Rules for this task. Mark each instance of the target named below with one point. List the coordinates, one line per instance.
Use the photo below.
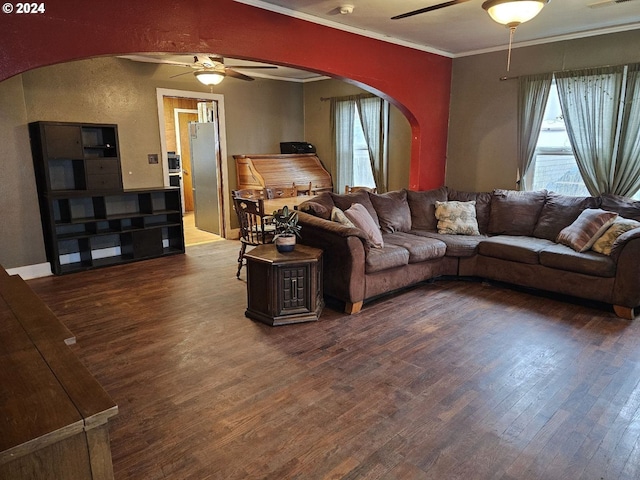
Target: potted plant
(286, 228)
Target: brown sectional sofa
(516, 243)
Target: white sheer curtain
(626, 175)
(590, 101)
(342, 118)
(533, 93)
(373, 114)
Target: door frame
(223, 164)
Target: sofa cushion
(338, 215)
(390, 256)
(560, 211)
(483, 205)
(318, 206)
(623, 206)
(392, 210)
(586, 229)
(514, 212)
(423, 208)
(361, 218)
(588, 263)
(605, 242)
(419, 248)
(514, 248)
(457, 245)
(457, 218)
(344, 201)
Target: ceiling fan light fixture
(513, 12)
(209, 78)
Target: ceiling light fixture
(512, 13)
(209, 78)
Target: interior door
(205, 176)
(184, 118)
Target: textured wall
(482, 146)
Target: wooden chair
(255, 228)
(348, 189)
(254, 193)
(303, 189)
(285, 192)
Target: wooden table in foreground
(53, 413)
(284, 288)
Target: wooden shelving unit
(89, 221)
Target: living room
(447, 101)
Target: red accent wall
(415, 81)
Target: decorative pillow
(344, 201)
(338, 216)
(423, 206)
(586, 229)
(361, 218)
(483, 205)
(457, 218)
(392, 210)
(605, 242)
(315, 209)
(515, 212)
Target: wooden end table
(284, 288)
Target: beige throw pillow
(457, 218)
(338, 216)
(586, 229)
(605, 242)
(362, 219)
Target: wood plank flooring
(448, 380)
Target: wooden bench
(53, 413)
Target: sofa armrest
(345, 250)
(626, 252)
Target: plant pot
(285, 243)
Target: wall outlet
(153, 158)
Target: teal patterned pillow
(457, 218)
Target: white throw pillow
(457, 218)
(605, 242)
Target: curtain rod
(502, 79)
(362, 95)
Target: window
(554, 166)
(360, 124)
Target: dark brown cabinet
(284, 288)
(88, 219)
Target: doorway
(176, 108)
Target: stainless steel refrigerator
(205, 148)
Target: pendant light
(512, 13)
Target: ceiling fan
(211, 70)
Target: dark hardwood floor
(447, 380)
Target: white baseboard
(31, 271)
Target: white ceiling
(454, 31)
(463, 29)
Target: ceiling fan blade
(240, 76)
(272, 67)
(428, 9)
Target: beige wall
(482, 149)
(317, 131)
(259, 115)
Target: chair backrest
(285, 192)
(348, 189)
(303, 189)
(253, 193)
(251, 218)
